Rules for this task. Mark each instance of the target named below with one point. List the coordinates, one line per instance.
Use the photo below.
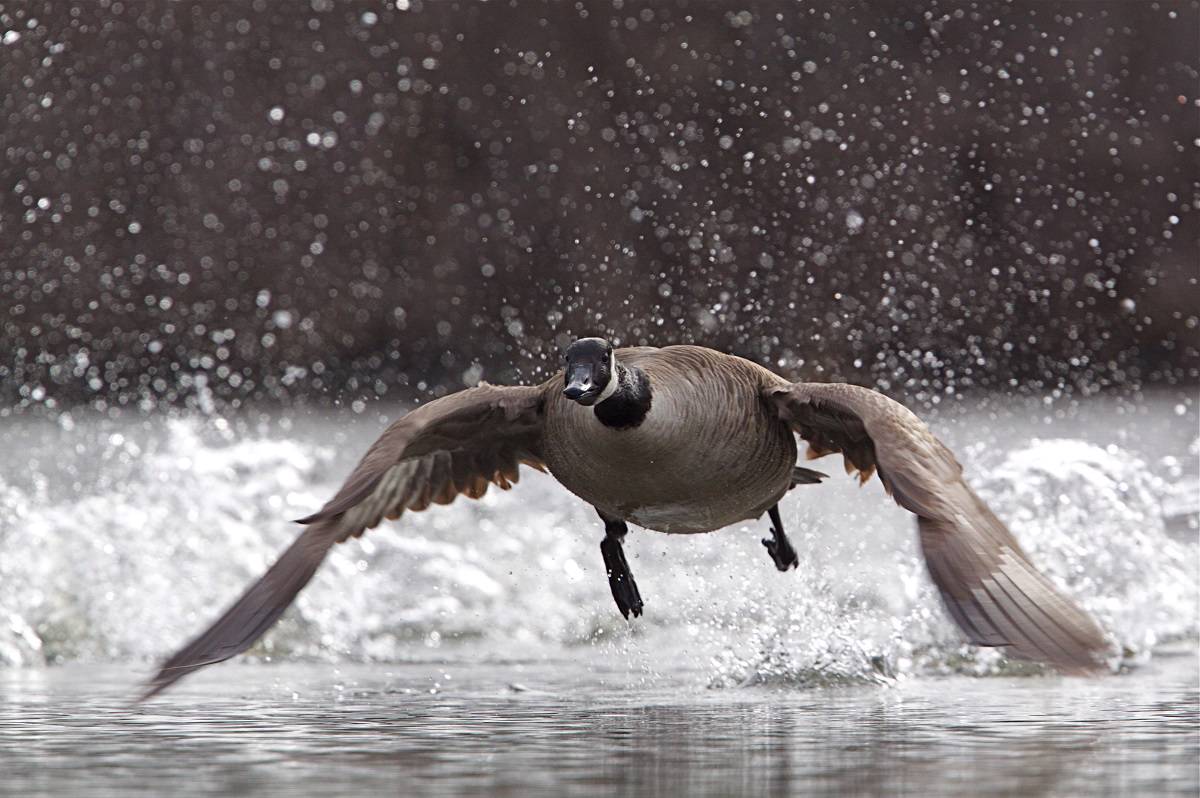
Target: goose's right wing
(458, 444)
(988, 583)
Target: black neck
(630, 403)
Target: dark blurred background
(234, 201)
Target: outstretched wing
(988, 584)
(459, 444)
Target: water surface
(585, 726)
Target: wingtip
(1101, 658)
(151, 688)
(168, 675)
(1095, 664)
(1090, 670)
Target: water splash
(1091, 518)
(96, 576)
(130, 563)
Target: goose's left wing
(458, 444)
(990, 587)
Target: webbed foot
(778, 545)
(620, 580)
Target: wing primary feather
(252, 614)
(994, 613)
(1033, 622)
(962, 608)
(1075, 625)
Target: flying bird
(679, 439)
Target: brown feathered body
(711, 451)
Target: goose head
(591, 372)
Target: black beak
(583, 391)
(576, 390)
(581, 387)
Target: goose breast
(710, 452)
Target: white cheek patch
(612, 386)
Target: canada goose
(680, 439)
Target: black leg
(620, 580)
(778, 545)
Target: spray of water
(127, 565)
